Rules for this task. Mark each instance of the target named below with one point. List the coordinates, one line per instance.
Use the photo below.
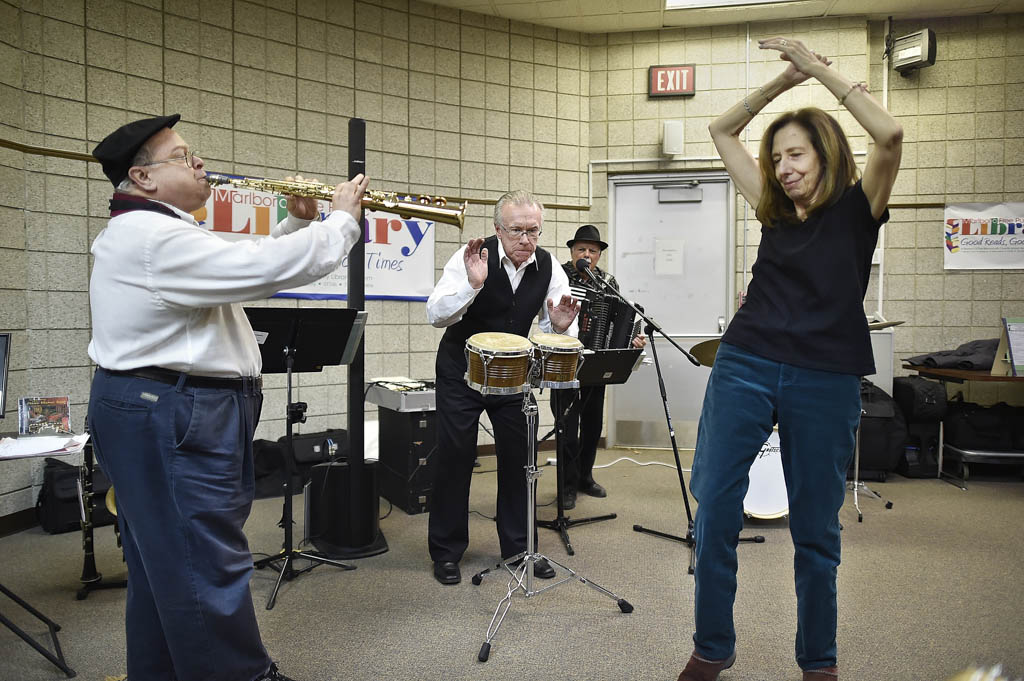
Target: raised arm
(725, 131)
(887, 134)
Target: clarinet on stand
(91, 579)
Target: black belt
(172, 377)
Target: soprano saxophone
(430, 207)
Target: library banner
(983, 236)
(399, 251)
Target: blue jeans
(180, 460)
(818, 413)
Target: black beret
(118, 149)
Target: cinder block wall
(456, 104)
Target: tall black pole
(362, 528)
(356, 301)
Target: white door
(673, 252)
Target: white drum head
(766, 497)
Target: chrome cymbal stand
(520, 566)
(857, 484)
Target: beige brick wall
(456, 104)
(964, 142)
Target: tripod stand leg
(285, 567)
(514, 583)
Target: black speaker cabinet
(408, 440)
(341, 526)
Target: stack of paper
(60, 445)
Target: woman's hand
(801, 58)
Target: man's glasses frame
(517, 234)
(188, 156)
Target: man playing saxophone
(177, 395)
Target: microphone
(583, 266)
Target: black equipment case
(883, 432)
(58, 507)
(408, 441)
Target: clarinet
(91, 578)
(89, 573)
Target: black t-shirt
(805, 301)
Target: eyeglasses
(517, 233)
(189, 157)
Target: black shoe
(569, 499)
(273, 675)
(541, 569)
(447, 572)
(593, 489)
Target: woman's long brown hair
(838, 169)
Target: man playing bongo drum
(496, 284)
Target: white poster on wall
(399, 251)
(981, 236)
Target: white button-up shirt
(453, 295)
(166, 292)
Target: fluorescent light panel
(707, 4)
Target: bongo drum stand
(522, 572)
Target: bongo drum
(766, 496)
(558, 357)
(498, 363)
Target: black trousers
(458, 416)
(582, 432)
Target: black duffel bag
(883, 432)
(920, 400)
(968, 425)
(58, 508)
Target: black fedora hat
(587, 233)
(117, 149)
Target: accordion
(606, 323)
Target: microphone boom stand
(650, 329)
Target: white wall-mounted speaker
(672, 138)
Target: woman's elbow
(893, 139)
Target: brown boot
(699, 669)
(823, 674)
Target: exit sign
(670, 80)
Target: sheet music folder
(608, 367)
(322, 336)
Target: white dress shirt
(165, 292)
(453, 295)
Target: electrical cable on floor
(641, 463)
(391, 507)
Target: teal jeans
(818, 413)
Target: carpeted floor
(927, 588)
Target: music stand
(299, 340)
(599, 367)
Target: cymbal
(705, 351)
(875, 326)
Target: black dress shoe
(542, 569)
(593, 489)
(447, 572)
(569, 499)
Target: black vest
(496, 308)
